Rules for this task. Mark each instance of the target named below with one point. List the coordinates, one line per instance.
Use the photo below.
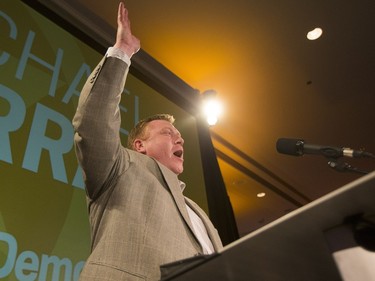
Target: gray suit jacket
(137, 211)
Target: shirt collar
(182, 185)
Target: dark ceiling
(273, 83)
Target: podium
(294, 247)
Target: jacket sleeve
(97, 124)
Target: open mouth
(178, 153)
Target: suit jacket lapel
(174, 186)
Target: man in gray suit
(138, 215)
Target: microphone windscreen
(288, 146)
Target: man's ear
(139, 146)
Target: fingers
(122, 16)
(124, 37)
(120, 13)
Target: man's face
(164, 143)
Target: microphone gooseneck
(298, 147)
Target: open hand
(125, 40)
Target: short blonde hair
(139, 131)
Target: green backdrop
(44, 231)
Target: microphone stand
(345, 167)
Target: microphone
(298, 147)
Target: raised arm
(97, 120)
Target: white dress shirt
(199, 229)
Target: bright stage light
(212, 108)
